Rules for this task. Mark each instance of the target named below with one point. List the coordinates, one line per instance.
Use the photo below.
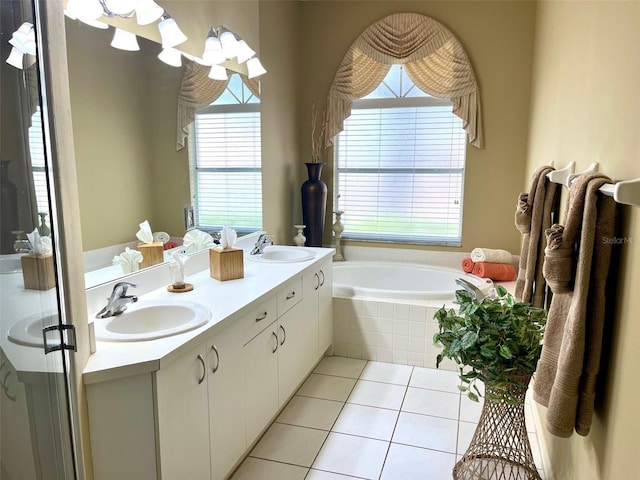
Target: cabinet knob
(215, 350)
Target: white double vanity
(191, 405)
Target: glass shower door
(36, 440)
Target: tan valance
(198, 90)
(434, 60)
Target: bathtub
(399, 280)
(384, 311)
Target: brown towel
(570, 359)
(558, 261)
(467, 265)
(500, 272)
(535, 208)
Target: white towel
(490, 255)
(129, 260)
(197, 240)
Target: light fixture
(16, 58)
(218, 72)
(229, 43)
(96, 24)
(84, 9)
(255, 68)
(212, 54)
(244, 51)
(120, 7)
(171, 56)
(125, 40)
(148, 11)
(170, 32)
(24, 39)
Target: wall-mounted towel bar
(626, 192)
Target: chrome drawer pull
(204, 369)
(284, 336)
(291, 295)
(259, 318)
(215, 350)
(276, 337)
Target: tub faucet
(117, 303)
(474, 291)
(260, 245)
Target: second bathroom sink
(284, 254)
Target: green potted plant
(497, 341)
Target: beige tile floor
(354, 419)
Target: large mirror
(124, 108)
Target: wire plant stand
(500, 448)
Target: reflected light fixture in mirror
(171, 57)
(121, 7)
(218, 72)
(255, 68)
(170, 32)
(23, 42)
(124, 40)
(96, 24)
(244, 51)
(16, 59)
(148, 11)
(212, 54)
(84, 9)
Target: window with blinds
(36, 149)
(400, 166)
(225, 151)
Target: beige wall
(498, 37)
(584, 108)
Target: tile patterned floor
(354, 419)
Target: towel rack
(626, 192)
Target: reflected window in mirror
(225, 161)
(36, 148)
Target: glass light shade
(212, 54)
(218, 72)
(24, 43)
(255, 68)
(244, 52)
(148, 11)
(124, 40)
(171, 56)
(70, 14)
(15, 58)
(29, 60)
(96, 24)
(121, 7)
(196, 59)
(85, 9)
(170, 33)
(229, 44)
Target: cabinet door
(260, 361)
(325, 306)
(226, 396)
(298, 350)
(183, 418)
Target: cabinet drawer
(289, 295)
(259, 318)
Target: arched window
(403, 101)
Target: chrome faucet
(117, 303)
(260, 245)
(474, 291)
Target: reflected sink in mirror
(283, 254)
(151, 319)
(28, 331)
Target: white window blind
(400, 170)
(36, 149)
(226, 166)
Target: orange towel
(501, 272)
(467, 265)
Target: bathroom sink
(151, 319)
(284, 254)
(28, 331)
(10, 263)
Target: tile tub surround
(356, 419)
(392, 331)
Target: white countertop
(227, 301)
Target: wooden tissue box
(152, 253)
(226, 263)
(38, 271)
